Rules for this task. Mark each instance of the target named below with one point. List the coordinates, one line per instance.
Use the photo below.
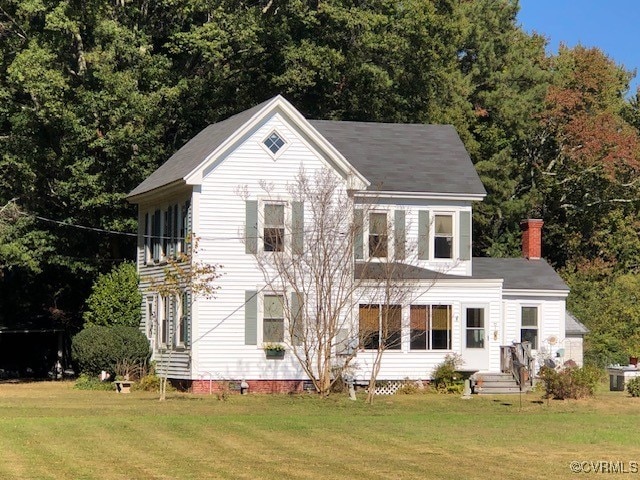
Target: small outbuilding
(574, 339)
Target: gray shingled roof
(573, 326)
(195, 151)
(393, 157)
(398, 271)
(405, 157)
(517, 273)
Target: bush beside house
(116, 349)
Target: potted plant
(274, 350)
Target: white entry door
(475, 339)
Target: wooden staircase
(496, 383)
(516, 372)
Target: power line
(160, 237)
(81, 227)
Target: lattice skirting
(388, 388)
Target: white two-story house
(423, 186)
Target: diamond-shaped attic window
(274, 142)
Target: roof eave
(474, 197)
(141, 197)
(532, 292)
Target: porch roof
(573, 326)
(516, 273)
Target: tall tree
(507, 70)
(84, 120)
(588, 187)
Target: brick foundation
(255, 386)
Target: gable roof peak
(402, 158)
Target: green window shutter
(358, 244)
(250, 317)
(251, 227)
(186, 312)
(168, 240)
(157, 241)
(175, 232)
(297, 327)
(297, 227)
(465, 236)
(399, 234)
(146, 242)
(423, 235)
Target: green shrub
(570, 382)
(86, 382)
(115, 298)
(98, 348)
(409, 388)
(633, 387)
(446, 377)
(148, 383)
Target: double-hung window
(273, 319)
(273, 227)
(529, 322)
(443, 236)
(183, 319)
(150, 317)
(378, 235)
(165, 320)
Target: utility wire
(159, 237)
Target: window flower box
(274, 351)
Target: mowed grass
(51, 431)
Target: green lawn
(50, 430)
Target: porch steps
(495, 383)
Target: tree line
(95, 94)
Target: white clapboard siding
(551, 316)
(404, 363)
(412, 209)
(219, 331)
(248, 172)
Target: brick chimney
(532, 238)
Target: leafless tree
(310, 261)
(390, 287)
(326, 297)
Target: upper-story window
(273, 227)
(378, 235)
(274, 142)
(166, 232)
(443, 236)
